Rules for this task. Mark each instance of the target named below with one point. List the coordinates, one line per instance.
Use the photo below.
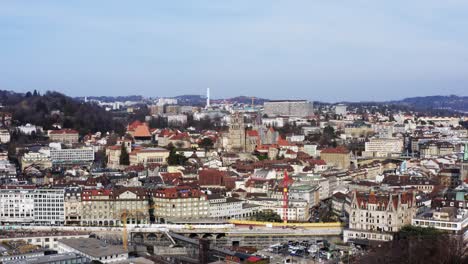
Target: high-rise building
(340, 109)
(288, 108)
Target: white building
(38, 206)
(383, 147)
(340, 109)
(448, 219)
(4, 136)
(176, 119)
(67, 156)
(230, 208)
(28, 129)
(298, 210)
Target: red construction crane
(286, 183)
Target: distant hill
(191, 99)
(451, 102)
(108, 99)
(53, 107)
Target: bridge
(235, 233)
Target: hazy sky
(326, 50)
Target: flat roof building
(93, 249)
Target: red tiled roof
(64, 131)
(134, 125)
(252, 133)
(337, 150)
(142, 131)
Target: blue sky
(326, 50)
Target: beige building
(72, 206)
(358, 130)
(376, 216)
(435, 149)
(36, 159)
(65, 136)
(103, 207)
(180, 203)
(339, 157)
(147, 156)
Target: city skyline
(321, 51)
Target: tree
(206, 143)
(267, 216)
(419, 245)
(175, 158)
(328, 136)
(124, 157)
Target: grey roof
(93, 247)
(49, 259)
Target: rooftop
(93, 247)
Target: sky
(330, 50)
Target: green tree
(124, 156)
(267, 216)
(175, 158)
(206, 143)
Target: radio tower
(286, 183)
(207, 98)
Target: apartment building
(376, 216)
(180, 202)
(105, 207)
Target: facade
(230, 208)
(376, 216)
(77, 156)
(180, 203)
(358, 129)
(65, 136)
(435, 149)
(383, 147)
(297, 211)
(448, 219)
(73, 206)
(298, 108)
(36, 159)
(33, 206)
(339, 157)
(308, 193)
(104, 207)
(149, 156)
